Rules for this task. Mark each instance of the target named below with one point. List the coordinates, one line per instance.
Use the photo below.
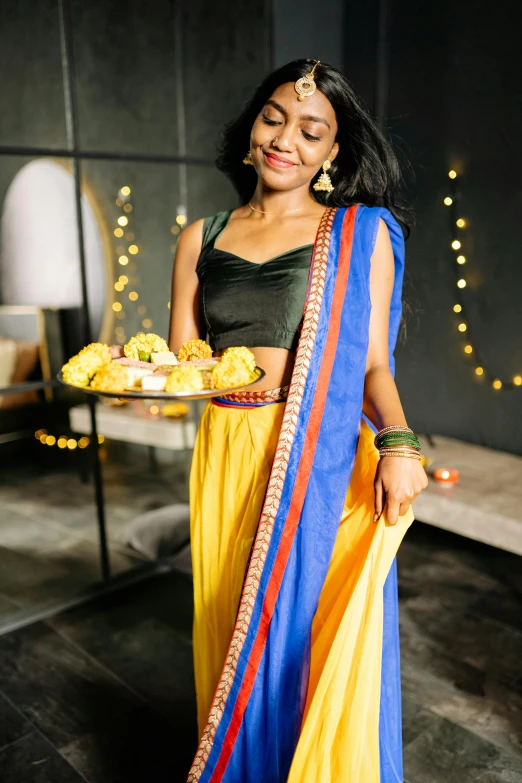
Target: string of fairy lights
(131, 276)
(458, 242)
(131, 279)
(64, 441)
(122, 232)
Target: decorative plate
(162, 395)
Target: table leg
(98, 491)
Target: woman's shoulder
(191, 236)
(369, 212)
(213, 225)
(373, 211)
(378, 219)
(197, 230)
(200, 233)
(222, 214)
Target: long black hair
(365, 171)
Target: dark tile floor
(48, 531)
(461, 651)
(103, 693)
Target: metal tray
(162, 395)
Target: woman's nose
(284, 140)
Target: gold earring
(247, 160)
(324, 182)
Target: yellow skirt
(339, 740)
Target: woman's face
(291, 139)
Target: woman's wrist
(397, 440)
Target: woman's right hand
(398, 481)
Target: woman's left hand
(398, 481)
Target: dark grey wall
(308, 29)
(140, 67)
(455, 102)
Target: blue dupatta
(254, 723)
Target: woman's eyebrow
(307, 117)
(312, 118)
(277, 106)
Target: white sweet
(164, 357)
(154, 382)
(136, 376)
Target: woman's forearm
(381, 402)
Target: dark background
(454, 101)
(162, 78)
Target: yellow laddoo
(143, 344)
(231, 371)
(184, 379)
(206, 374)
(112, 378)
(80, 368)
(76, 374)
(242, 353)
(194, 349)
(98, 350)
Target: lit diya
(446, 477)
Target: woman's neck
(282, 202)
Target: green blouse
(251, 304)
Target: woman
(295, 520)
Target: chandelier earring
(324, 182)
(247, 160)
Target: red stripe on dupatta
(298, 495)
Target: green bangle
(396, 439)
(411, 444)
(397, 436)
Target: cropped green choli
(246, 303)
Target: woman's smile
(277, 162)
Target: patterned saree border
(219, 402)
(269, 395)
(273, 494)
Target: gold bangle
(410, 455)
(392, 427)
(398, 450)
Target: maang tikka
(306, 86)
